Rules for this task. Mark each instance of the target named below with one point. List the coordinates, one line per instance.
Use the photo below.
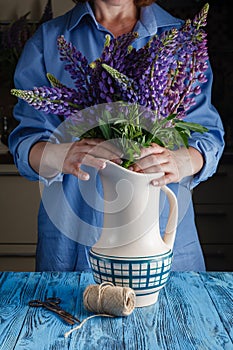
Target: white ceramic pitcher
(131, 251)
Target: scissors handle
(54, 300)
(52, 305)
(35, 303)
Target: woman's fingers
(91, 152)
(151, 159)
(175, 164)
(156, 159)
(99, 148)
(49, 159)
(73, 162)
(79, 173)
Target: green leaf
(184, 136)
(54, 81)
(191, 126)
(105, 129)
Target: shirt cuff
(23, 165)
(211, 155)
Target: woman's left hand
(175, 165)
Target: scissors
(52, 304)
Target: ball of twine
(109, 299)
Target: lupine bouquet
(144, 94)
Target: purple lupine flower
(200, 20)
(77, 65)
(125, 86)
(191, 53)
(49, 99)
(116, 49)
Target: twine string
(84, 321)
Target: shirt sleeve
(33, 126)
(211, 143)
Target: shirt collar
(78, 12)
(152, 17)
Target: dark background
(220, 44)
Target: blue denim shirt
(70, 216)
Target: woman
(70, 216)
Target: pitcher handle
(170, 232)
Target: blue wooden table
(194, 311)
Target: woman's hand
(174, 164)
(49, 159)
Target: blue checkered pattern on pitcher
(148, 273)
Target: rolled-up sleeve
(33, 126)
(21, 155)
(211, 143)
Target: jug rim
(127, 171)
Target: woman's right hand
(49, 159)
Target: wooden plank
(99, 332)
(139, 328)
(42, 329)
(155, 327)
(219, 286)
(16, 290)
(196, 323)
(183, 318)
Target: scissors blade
(53, 306)
(66, 315)
(56, 308)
